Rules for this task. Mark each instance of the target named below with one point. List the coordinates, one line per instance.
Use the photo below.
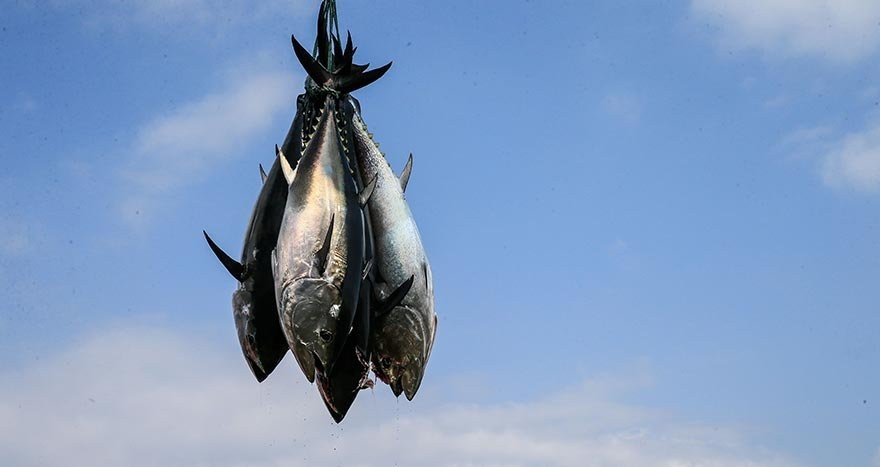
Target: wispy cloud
(854, 161)
(837, 31)
(622, 255)
(625, 107)
(144, 396)
(25, 104)
(776, 102)
(162, 14)
(807, 135)
(183, 145)
(871, 93)
(15, 237)
(807, 143)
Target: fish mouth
(323, 358)
(308, 362)
(243, 317)
(249, 346)
(320, 368)
(396, 387)
(411, 380)
(393, 377)
(327, 395)
(307, 299)
(404, 379)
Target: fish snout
(309, 324)
(411, 378)
(305, 359)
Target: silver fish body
(350, 374)
(320, 250)
(402, 334)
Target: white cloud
(807, 136)
(623, 256)
(161, 14)
(839, 31)
(854, 162)
(807, 143)
(143, 397)
(776, 102)
(25, 104)
(183, 145)
(625, 107)
(15, 237)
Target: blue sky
(653, 226)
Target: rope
(330, 26)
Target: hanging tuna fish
(403, 333)
(333, 267)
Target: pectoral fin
(324, 252)
(263, 175)
(367, 192)
(234, 267)
(394, 298)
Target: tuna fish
(404, 322)
(340, 387)
(253, 303)
(319, 258)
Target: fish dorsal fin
(234, 267)
(263, 175)
(323, 253)
(404, 175)
(285, 165)
(394, 298)
(367, 192)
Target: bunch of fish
(333, 267)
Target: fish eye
(326, 335)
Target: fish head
(400, 350)
(340, 387)
(242, 312)
(310, 311)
